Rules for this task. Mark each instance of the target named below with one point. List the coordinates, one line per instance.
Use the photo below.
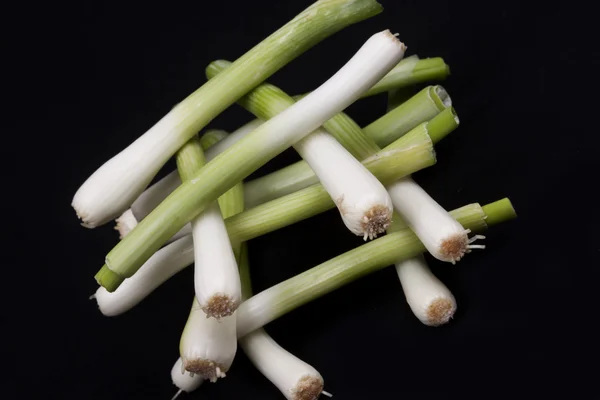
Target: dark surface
(99, 75)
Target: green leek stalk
(112, 188)
(284, 297)
(375, 58)
(423, 106)
(398, 96)
(410, 153)
(411, 73)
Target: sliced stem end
(108, 279)
(499, 211)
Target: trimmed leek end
(499, 211)
(308, 388)
(442, 124)
(411, 72)
(440, 97)
(108, 279)
(422, 107)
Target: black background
(85, 79)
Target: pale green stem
(284, 297)
(425, 70)
(423, 106)
(190, 159)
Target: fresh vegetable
(205, 212)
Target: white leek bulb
(117, 183)
(429, 299)
(156, 193)
(363, 202)
(295, 379)
(442, 235)
(208, 345)
(216, 276)
(163, 264)
(185, 381)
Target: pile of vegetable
(206, 211)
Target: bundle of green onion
(206, 211)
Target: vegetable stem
(411, 73)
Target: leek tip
(308, 388)
(440, 311)
(207, 369)
(455, 246)
(219, 306)
(376, 221)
